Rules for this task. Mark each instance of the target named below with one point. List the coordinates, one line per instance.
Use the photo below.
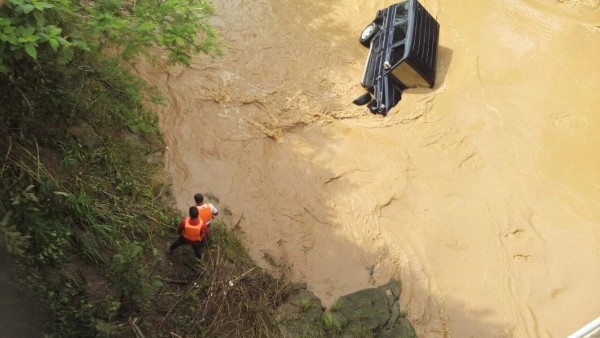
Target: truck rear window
(401, 13)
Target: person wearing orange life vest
(207, 210)
(192, 231)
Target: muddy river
(482, 195)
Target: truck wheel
(368, 33)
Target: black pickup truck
(403, 42)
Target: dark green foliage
(134, 283)
(72, 314)
(24, 29)
(80, 204)
(63, 200)
(138, 26)
(58, 28)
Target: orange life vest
(191, 232)
(205, 212)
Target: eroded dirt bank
(482, 195)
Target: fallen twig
(135, 328)
(244, 274)
(175, 281)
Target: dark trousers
(206, 240)
(197, 246)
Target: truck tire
(368, 33)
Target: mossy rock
(373, 312)
(402, 329)
(300, 316)
(394, 286)
(366, 309)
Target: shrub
(129, 29)
(133, 282)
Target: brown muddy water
(481, 195)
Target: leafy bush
(24, 29)
(133, 282)
(70, 310)
(131, 29)
(30, 222)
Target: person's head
(198, 198)
(193, 212)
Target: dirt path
(482, 195)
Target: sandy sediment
(482, 195)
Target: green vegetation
(306, 305)
(330, 324)
(363, 332)
(84, 207)
(131, 280)
(226, 296)
(43, 29)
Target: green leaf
(81, 45)
(62, 40)
(31, 38)
(4, 69)
(42, 5)
(27, 8)
(28, 31)
(5, 21)
(55, 31)
(54, 44)
(62, 193)
(39, 18)
(146, 26)
(43, 37)
(30, 50)
(8, 30)
(12, 39)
